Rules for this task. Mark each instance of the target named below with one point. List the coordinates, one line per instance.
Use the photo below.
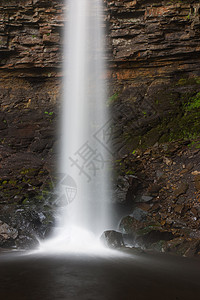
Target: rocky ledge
(162, 204)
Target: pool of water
(89, 277)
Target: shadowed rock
(7, 234)
(112, 239)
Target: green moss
(188, 81)
(197, 79)
(130, 172)
(112, 98)
(194, 144)
(45, 193)
(41, 172)
(28, 171)
(185, 125)
(194, 103)
(144, 113)
(12, 182)
(25, 201)
(49, 113)
(179, 115)
(40, 198)
(182, 81)
(25, 180)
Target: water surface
(90, 277)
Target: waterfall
(84, 154)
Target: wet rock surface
(7, 234)
(30, 223)
(112, 239)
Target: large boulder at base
(7, 235)
(25, 224)
(143, 234)
(112, 239)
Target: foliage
(48, 113)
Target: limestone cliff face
(30, 33)
(30, 61)
(155, 66)
(153, 57)
(154, 31)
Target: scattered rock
(182, 189)
(122, 188)
(179, 208)
(154, 189)
(7, 234)
(172, 218)
(129, 225)
(30, 224)
(143, 199)
(189, 166)
(197, 182)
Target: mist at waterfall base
(84, 154)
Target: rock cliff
(153, 58)
(155, 67)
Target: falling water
(85, 132)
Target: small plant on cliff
(144, 113)
(48, 113)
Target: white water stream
(84, 184)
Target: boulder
(139, 214)
(151, 235)
(7, 234)
(112, 239)
(29, 223)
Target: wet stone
(143, 199)
(7, 233)
(139, 214)
(112, 239)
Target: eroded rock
(8, 235)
